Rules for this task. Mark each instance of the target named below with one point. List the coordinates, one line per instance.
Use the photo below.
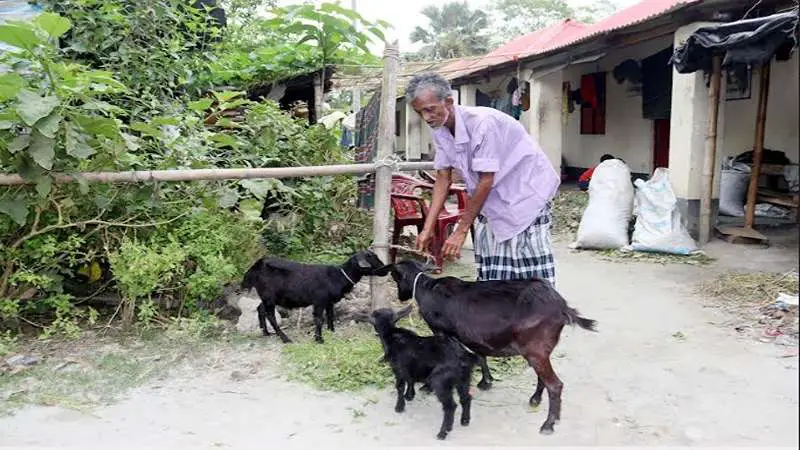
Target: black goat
(500, 318)
(290, 284)
(440, 361)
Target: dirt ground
(662, 370)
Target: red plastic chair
(410, 209)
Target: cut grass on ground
(698, 259)
(350, 359)
(752, 288)
(748, 298)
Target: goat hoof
(399, 408)
(464, 421)
(546, 430)
(286, 340)
(535, 401)
(441, 435)
(484, 385)
(319, 340)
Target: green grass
(350, 360)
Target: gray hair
(428, 81)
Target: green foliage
(454, 30)
(109, 85)
(519, 17)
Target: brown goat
(501, 318)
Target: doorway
(660, 143)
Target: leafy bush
(75, 99)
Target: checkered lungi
(526, 255)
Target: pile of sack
(612, 203)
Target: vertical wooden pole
(356, 106)
(383, 173)
(710, 154)
(758, 145)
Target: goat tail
(575, 318)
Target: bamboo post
(758, 146)
(710, 154)
(383, 171)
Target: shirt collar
(461, 137)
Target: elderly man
(509, 179)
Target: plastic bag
(659, 227)
(604, 224)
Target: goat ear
(361, 316)
(402, 313)
(427, 267)
(362, 261)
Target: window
(593, 105)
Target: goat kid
(500, 318)
(439, 361)
(289, 284)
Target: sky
(404, 15)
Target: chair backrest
(404, 208)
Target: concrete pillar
(544, 115)
(688, 128)
(466, 94)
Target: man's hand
(453, 244)
(423, 240)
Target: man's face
(434, 112)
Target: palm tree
(453, 31)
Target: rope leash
(429, 259)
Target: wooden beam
(758, 145)
(141, 176)
(710, 154)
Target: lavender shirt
(488, 140)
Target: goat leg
(444, 392)
(329, 316)
(541, 364)
(270, 313)
(318, 310)
(399, 384)
(262, 316)
(426, 388)
(410, 394)
(536, 398)
(464, 397)
(486, 376)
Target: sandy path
(632, 383)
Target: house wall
(782, 113)
(627, 134)
(415, 135)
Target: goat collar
(348, 277)
(414, 286)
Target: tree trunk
(319, 86)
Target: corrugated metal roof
(369, 79)
(633, 15)
(565, 34)
(521, 47)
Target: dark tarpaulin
(750, 42)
